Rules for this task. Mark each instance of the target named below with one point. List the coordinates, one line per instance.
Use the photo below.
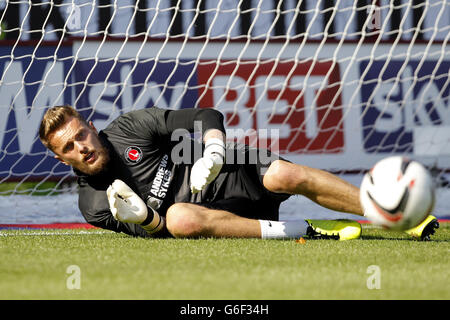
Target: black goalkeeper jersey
(141, 154)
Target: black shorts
(239, 188)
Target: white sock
(283, 229)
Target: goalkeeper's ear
(91, 124)
(61, 160)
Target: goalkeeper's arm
(210, 119)
(205, 169)
(208, 167)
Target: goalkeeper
(131, 179)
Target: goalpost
(336, 85)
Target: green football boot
(340, 229)
(425, 229)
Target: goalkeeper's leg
(187, 220)
(322, 187)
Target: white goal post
(343, 83)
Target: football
(397, 193)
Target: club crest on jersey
(133, 154)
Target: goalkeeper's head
(74, 141)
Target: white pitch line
(46, 233)
(370, 226)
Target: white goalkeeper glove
(126, 206)
(206, 169)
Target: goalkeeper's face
(77, 144)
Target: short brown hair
(53, 119)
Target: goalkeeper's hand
(206, 169)
(126, 206)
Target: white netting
(344, 83)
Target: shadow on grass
(376, 237)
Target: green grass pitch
(36, 264)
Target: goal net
(340, 84)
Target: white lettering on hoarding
(123, 91)
(13, 93)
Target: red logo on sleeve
(133, 154)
